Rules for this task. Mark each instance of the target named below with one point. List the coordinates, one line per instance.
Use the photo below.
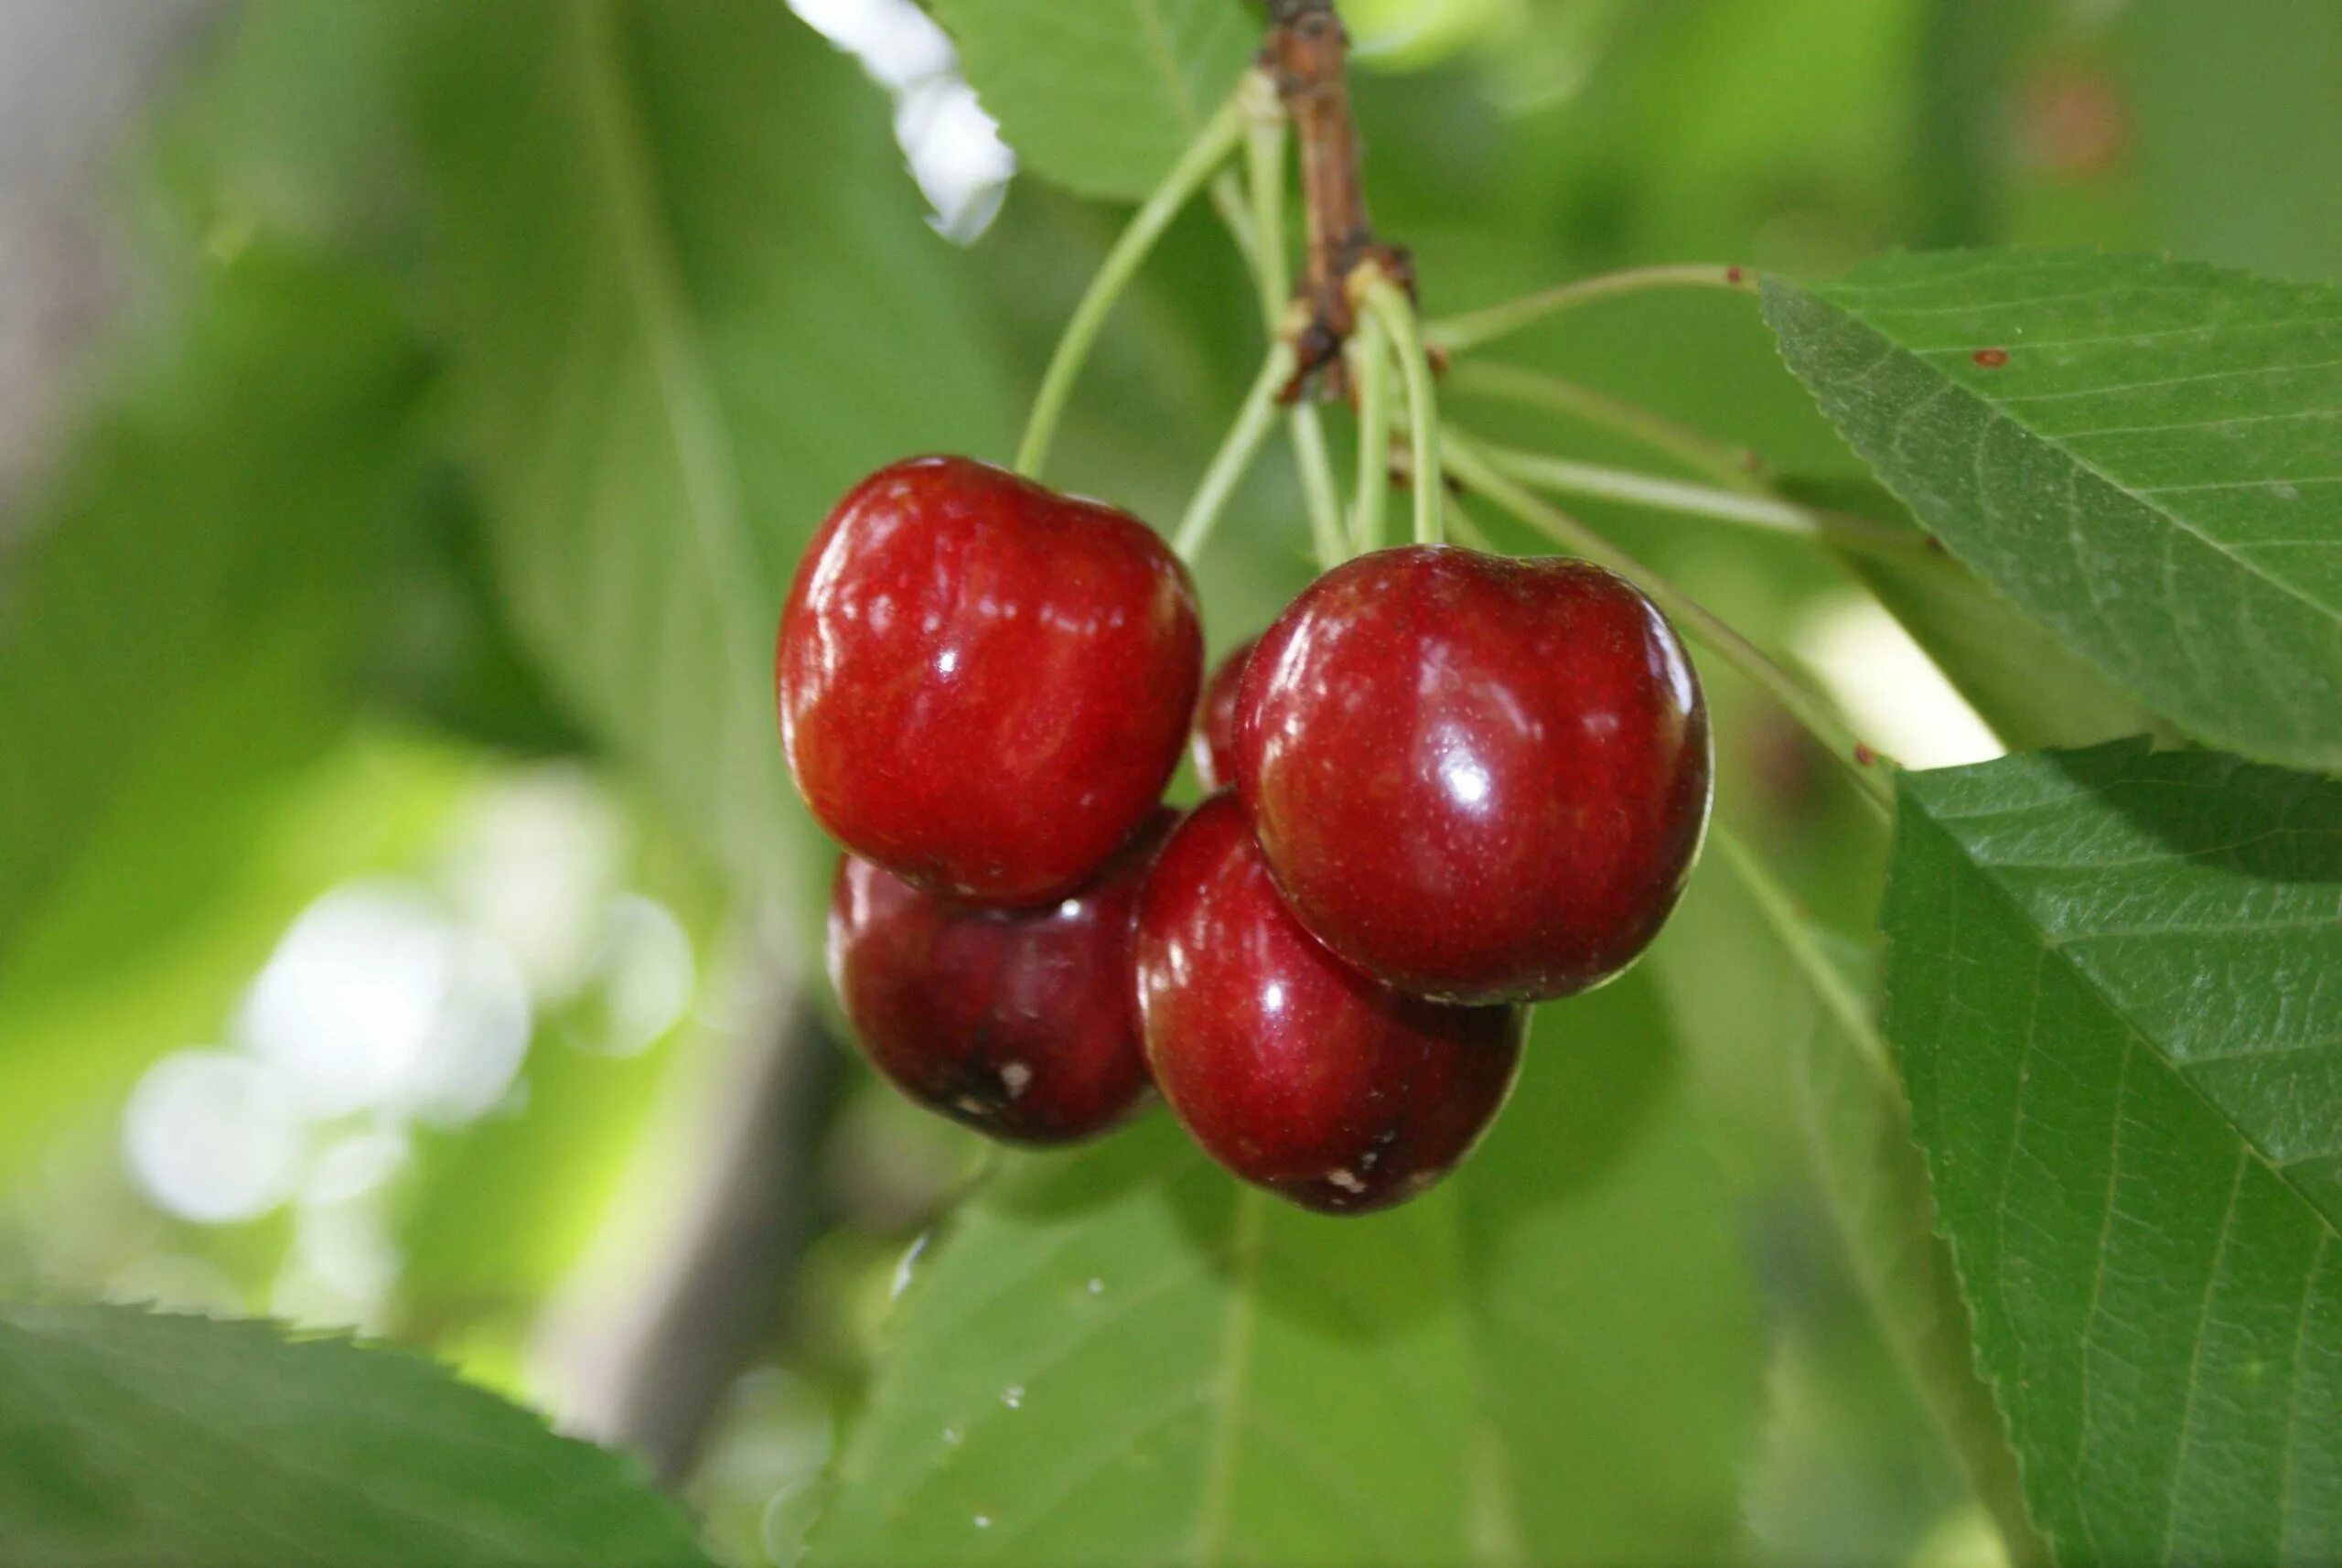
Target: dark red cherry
(1020, 1025)
(985, 685)
(1289, 1067)
(1214, 745)
(1476, 779)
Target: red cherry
(1476, 779)
(1214, 745)
(1018, 1024)
(1289, 1067)
(985, 685)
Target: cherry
(1289, 1067)
(1214, 746)
(1020, 1025)
(1476, 779)
(983, 684)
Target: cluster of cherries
(1445, 785)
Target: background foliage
(414, 548)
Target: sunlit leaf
(1102, 97)
(691, 301)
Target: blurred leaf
(2133, 450)
(212, 533)
(2022, 680)
(2240, 128)
(1126, 1357)
(1809, 1021)
(691, 302)
(148, 945)
(1102, 97)
(286, 129)
(1960, 135)
(2109, 983)
(132, 1439)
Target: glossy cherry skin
(1478, 778)
(1214, 745)
(1289, 1067)
(1021, 1025)
(983, 684)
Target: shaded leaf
(2113, 983)
(1126, 1357)
(132, 1439)
(2018, 677)
(2142, 454)
(1806, 1015)
(1102, 97)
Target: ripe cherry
(1476, 779)
(985, 685)
(1020, 1025)
(1214, 746)
(1289, 1067)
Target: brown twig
(1305, 53)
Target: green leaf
(1795, 1015)
(2110, 983)
(1127, 1357)
(691, 301)
(2150, 474)
(1102, 97)
(160, 1442)
(206, 548)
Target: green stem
(1734, 467)
(1228, 201)
(1389, 303)
(1561, 476)
(1370, 371)
(1265, 138)
(1865, 765)
(1317, 488)
(1461, 332)
(1266, 144)
(1254, 421)
(1189, 175)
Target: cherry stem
(1267, 135)
(1459, 333)
(1324, 502)
(1228, 201)
(1865, 765)
(1564, 477)
(1189, 175)
(1370, 375)
(1734, 467)
(1267, 142)
(1388, 303)
(1254, 421)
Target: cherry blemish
(1992, 358)
(1864, 756)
